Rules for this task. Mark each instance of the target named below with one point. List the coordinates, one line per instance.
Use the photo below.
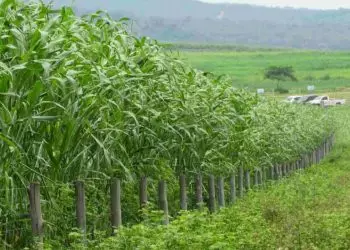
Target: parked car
(318, 100)
(306, 99)
(292, 99)
(326, 101)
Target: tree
(280, 73)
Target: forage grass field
(328, 71)
(83, 99)
(309, 210)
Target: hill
(194, 21)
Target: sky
(311, 4)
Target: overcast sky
(312, 4)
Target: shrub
(325, 77)
(281, 90)
(309, 78)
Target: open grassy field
(328, 71)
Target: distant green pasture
(325, 70)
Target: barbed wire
(15, 230)
(86, 182)
(27, 188)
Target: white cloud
(312, 4)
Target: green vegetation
(200, 47)
(280, 73)
(82, 99)
(328, 71)
(309, 210)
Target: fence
(216, 190)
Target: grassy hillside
(325, 70)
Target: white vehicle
(292, 99)
(326, 101)
(306, 99)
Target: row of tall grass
(81, 98)
(308, 210)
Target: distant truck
(306, 99)
(292, 99)
(326, 101)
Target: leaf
(45, 118)
(12, 144)
(34, 93)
